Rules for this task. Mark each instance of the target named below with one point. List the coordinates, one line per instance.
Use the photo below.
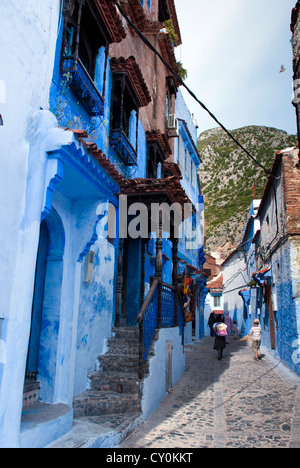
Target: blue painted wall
(52, 178)
(96, 301)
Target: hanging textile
(246, 296)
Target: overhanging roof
(133, 71)
(150, 191)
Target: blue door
(37, 304)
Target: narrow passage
(234, 403)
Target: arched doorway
(45, 313)
(32, 386)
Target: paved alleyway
(237, 402)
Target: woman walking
(220, 340)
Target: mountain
(229, 177)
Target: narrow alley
(235, 403)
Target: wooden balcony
(121, 145)
(83, 85)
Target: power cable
(155, 51)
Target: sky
(233, 51)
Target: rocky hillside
(228, 176)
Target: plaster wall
(235, 278)
(95, 316)
(154, 387)
(26, 56)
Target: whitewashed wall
(28, 33)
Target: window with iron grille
(84, 47)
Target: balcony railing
(156, 314)
(83, 85)
(121, 145)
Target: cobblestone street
(235, 403)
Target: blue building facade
(239, 298)
(97, 131)
(277, 254)
(261, 276)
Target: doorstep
(99, 431)
(42, 423)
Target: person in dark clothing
(221, 332)
(210, 324)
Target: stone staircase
(115, 388)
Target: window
(148, 2)
(181, 158)
(217, 302)
(167, 107)
(129, 93)
(155, 161)
(123, 112)
(158, 151)
(122, 107)
(268, 226)
(278, 270)
(170, 108)
(187, 164)
(194, 175)
(82, 37)
(83, 42)
(163, 11)
(188, 157)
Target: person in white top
(255, 333)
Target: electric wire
(155, 51)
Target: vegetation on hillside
(228, 177)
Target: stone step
(129, 333)
(119, 363)
(115, 388)
(126, 342)
(95, 403)
(123, 346)
(118, 382)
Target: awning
(262, 275)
